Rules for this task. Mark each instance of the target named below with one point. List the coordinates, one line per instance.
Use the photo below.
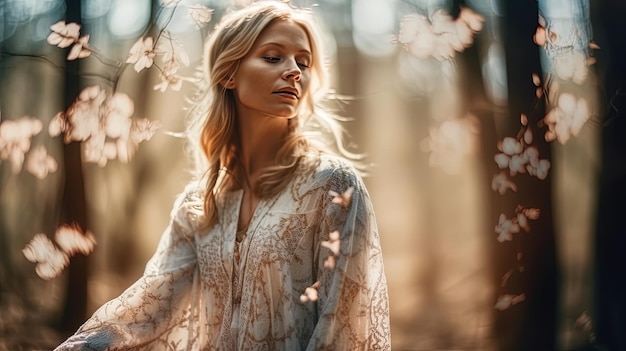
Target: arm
(147, 315)
(352, 297)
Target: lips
(289, 92)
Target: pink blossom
(566, 118)
(310, 293)
(511, 146)
(200, 14)
(91, 93)
(506, 228)
(450, 142)
(522, 221)
(72, 240)
(36, 250)
(49, 261)
(517, 164)
(142, 53)
(411, 26)
(528, 136)
(93, 147)
(168, 73)
(532, 155)
(502, 160)
(542, 169)
(174, 54)
(39, 163)
(519, 156)
(536, 167)
(343, 199)
(171, 66)
(57, 125)
(442, 22)
(443, 50)
(423, 45)
(531, 213)
(103, 124)
(440, 36)
(80, 49)
(473, 20)
(330, 262)
(540, 37)
(117, 121)
(143, 130)
(507, 300)
(464, 35)
(173, 82)
(571, 66)
(536, 82)
(15, 140)
(501, 183)
(83, 116)
(333, 243)
(102, 153)
(524, 214)
(63, 35)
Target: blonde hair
(214, 114)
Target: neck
(260, 139)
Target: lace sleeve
(352, 301)
(154, 312)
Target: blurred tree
(530, 325)
(74, 206)
(610, 275)
(528, 262)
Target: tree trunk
(530, 324)
(610, 291)
(74, 207)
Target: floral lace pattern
(185, 299)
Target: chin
(285, 114)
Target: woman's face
(273, 79)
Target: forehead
(285, 33)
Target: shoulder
(188, 209)
(194, 190)
(330, 172)
(339, 170)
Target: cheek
(255, 75)
(305, 84)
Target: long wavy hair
(213, 113)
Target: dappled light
(492, 146)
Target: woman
(276, 248)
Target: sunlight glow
(494, 75)
(180, 20)
(25, 10)
(373, 22)
(127, 18)
(95, 8)
(13, 12)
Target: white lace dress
(192, 296)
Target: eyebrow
(282, 46)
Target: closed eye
(272, 59)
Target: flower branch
(333, 244)
(102, 120)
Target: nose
(292, 72)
